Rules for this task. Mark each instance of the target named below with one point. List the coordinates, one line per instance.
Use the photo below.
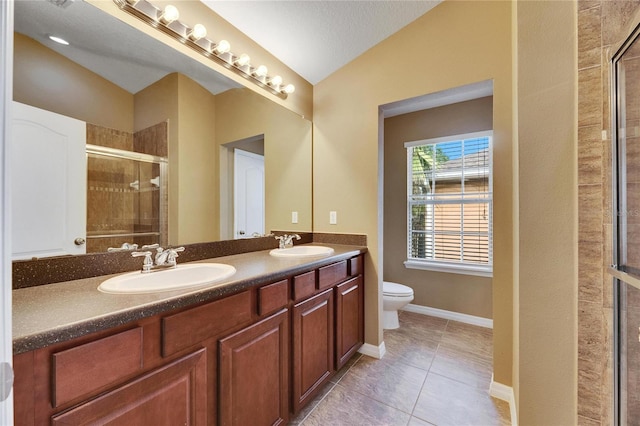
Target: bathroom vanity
(250, 351)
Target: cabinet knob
(79, 241)
(241, 232)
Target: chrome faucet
(285, 241)
(164, 258)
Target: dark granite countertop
(52, 313)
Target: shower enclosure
(626, 228)
(126, 199)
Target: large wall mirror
(140, 98)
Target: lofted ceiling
(315, 38)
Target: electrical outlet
(294, 217)
(333, 218)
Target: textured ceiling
(315, 38)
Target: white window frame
(461, 267)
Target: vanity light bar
(167, 21)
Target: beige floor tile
(445, 402)
(394, 384)
(346, 367)
(343, 407)
(463, 366)
(470, 338)
(418, 325)
(404, 348)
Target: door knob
(79, 241)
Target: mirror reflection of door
(49, 185)
(248, 194)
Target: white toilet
(394, 296)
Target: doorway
(250, 152)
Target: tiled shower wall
(601, 26)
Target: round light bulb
(222, 47)
(243, 60)
(276, 81)
(170, 14)
(289, 89)
(261, 71)
(199, 31)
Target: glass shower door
(126, 199)
(626, 223)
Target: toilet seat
(395, 289)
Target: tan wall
(453, 292)
(47, 80)
(198, 194)
(440, 50)
(154, 104)
(547, 142)
(242, 114)
(193, 194)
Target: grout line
(318, 404)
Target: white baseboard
(450, 315)
(373, 351)
(505, 393)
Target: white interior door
(6, 94)
(248, 193)
(48, 182)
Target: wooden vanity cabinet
(248, 358)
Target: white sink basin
(183, 276)
(302, 251)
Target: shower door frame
(618, 179)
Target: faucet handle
(148, 261)
(150, 246)
(173, 254)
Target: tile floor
(435, 372)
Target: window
(449, 204)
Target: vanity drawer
(190, 327)
(356, 266)
(304, 285)
(332, 274)
(273, 296)
(86, 368)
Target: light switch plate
(294, 217)
(333, 218)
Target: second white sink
(302, 251)
(181, 277)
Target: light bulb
(261, 71)
(170, 14)
(242, 60)
(59, 40)
(222, 47)
(198, 32)
(289, 89)
(276, 81)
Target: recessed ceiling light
(59, 40)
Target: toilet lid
(395, 289)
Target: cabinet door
(254, 375)
(349, 319)
(312, 346)
(175, 394)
